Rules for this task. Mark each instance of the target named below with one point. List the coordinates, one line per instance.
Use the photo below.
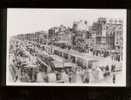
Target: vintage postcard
(66, 47)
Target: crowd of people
(76, 75)
(43, 74)
(94, 52)
(69, 75)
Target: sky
(22, 21)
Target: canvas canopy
(58, 64)
(68, 64)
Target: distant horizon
(23, 21)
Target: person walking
(39, 77)
(113, 68)
(86, 78)
(78, 76)
(51, 77)
(100, 73)
(114, 78)
(107, 70)
(64, 77)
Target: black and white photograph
(66, 47)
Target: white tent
(69, 64)
(58, 64)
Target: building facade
(107, 32)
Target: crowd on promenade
(77, 75)
(116, 56)
(72, 75)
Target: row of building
(103, 33)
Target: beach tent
(68, 65)
(58, 64)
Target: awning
(58, 64)
(69, 64)
(57, 58)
